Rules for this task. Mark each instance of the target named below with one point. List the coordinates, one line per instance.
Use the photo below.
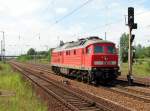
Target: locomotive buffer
(131, 26)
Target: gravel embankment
(100, 92)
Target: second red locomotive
(91, 59)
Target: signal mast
(131, 26)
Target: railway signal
(132, 38)
(131, 26)
(130, 16)
(131, 23)
(133, 54)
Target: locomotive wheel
(96, 82)
(89, 78)
(83, 79)
(79, 78)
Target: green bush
(140, 62)
(25, 58)
(148, 65)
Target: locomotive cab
(104, 55)
(104, 61)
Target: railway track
(70, 99)
(135, 94)
(120, 88)
(135, 91)
(129, 92)
(137, 80)
(142, 96)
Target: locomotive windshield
(111, 49)
(98, 49)
(106, 49)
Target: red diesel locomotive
(91, 59)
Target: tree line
(33, 54)
(139, 51)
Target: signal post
(131, 26)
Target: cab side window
(82, 51)
(74, 52)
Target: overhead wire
(97, 27)
(119, 20)
(73, 11)
(107, 24)
(76, 9)
(114, 22)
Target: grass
(24, 99)
(27, 58)
(43, 61)
(140, 69)
(24, 58)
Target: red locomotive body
(91, 59)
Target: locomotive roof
(81, 43)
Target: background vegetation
(35, 56)
(141, 52)
(141, 58)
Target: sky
(41, 24)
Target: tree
(147, 51)
(124, 39)
(43, 53)
(142, 52)
(139, 51)
(31, 51)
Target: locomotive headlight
(98, 63)
(113, 62)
